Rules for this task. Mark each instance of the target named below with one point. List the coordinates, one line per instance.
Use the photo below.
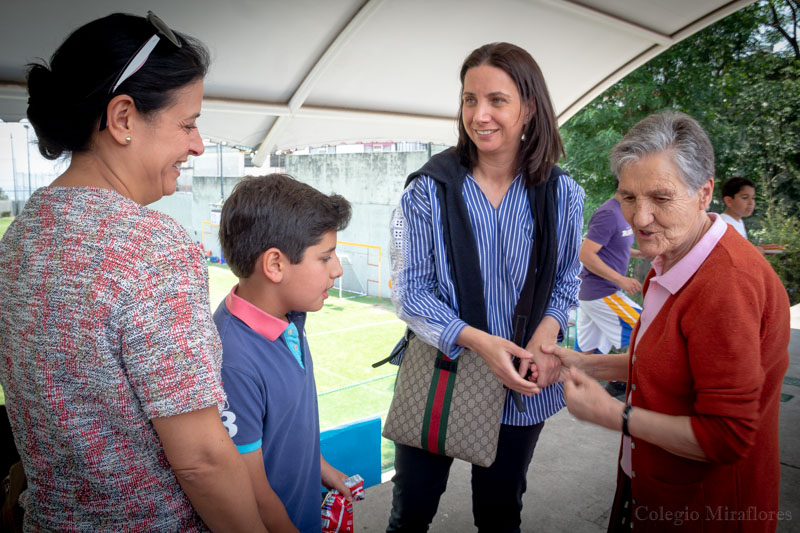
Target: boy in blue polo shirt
(278, 236)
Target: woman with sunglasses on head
(111, 361)
(502, 167)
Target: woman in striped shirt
(508, 142)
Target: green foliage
(779, 228)
(739, 78)
(3, 195)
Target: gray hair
(672, 132)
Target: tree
(740, 78)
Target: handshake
(586, 399)
(551, 363)
(542, 363)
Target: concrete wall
(208, 163)
(373, 184)
(193, 208)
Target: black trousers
(421, 478)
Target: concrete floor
(571, 479)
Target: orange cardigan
(717, 351)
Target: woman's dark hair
(276, 211)
(541, 147)
(68, 97)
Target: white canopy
(296, 73)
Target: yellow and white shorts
(606, 322)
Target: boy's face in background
(308, 282)
(742, 203)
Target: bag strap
(399, 348)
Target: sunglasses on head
(139, 58)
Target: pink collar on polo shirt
(259, 321)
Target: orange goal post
(209, 237)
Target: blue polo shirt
(272, 402)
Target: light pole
(28, 153)
(14, 174)
(220, 167)
(219, 171)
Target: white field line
(345, 378)
(331, 332)
(340, 376)
(332, 373)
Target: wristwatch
(626, 415)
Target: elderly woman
(700, 424)
(111, 361)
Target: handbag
(451, 407)
(454, 407)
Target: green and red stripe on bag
(451, 407)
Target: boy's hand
(333, 479)
(630, 285)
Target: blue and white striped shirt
(423, 292)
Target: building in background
(370, 175)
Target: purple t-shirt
(608, 228)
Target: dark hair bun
(56, 120)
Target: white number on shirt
(228, 419)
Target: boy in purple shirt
(606, 316)
(279, 238)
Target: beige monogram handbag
(450, 407)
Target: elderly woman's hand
(587, 400)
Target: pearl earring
(128, 139)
